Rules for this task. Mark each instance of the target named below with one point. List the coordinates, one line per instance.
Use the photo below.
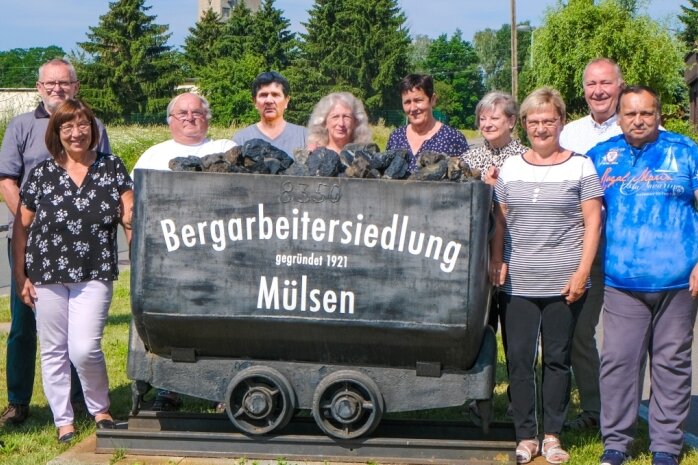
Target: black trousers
(551, 321)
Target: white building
(224, 7)
(16, 101)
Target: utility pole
(514, 64)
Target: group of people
(598, 213)
(591, 214)
(67, 193)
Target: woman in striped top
(548, 209)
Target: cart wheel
(260, 400)
(347, 404)
(138, 390)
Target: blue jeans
(21, 347)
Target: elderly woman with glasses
(338, 119)
(496, 115)
(548, 211)
(65, 258)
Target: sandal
(526, 450)
(553, 451)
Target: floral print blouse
(481, 158)
(446, 140)
(73, 235)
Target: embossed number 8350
(304, 193)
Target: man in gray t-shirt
(270, 92)
(24, 147)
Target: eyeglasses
(68, 128)
(184, 115)
(49, 85)
(547, 123)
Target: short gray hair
(317, 132)
(59, 62)
(202, 99)
(496, 99)
(607, 61)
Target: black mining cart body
(350, 298)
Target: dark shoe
(584, 421)
(613, 457)
(166, 401)
(664, 458)
(14, 414)
(67, 438)
(106, 424)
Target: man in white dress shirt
(603, 82)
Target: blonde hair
(541, 98)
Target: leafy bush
(681, 126)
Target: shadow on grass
(119, 319)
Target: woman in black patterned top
(496, 118)
(496, 115)
(65, 258)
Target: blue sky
(40, 23)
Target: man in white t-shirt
(188, 115)
(603, 82)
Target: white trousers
(70, 320)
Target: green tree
(247, 44)
(358, 46)
(128, 69)
(201, 46)
(226, 85)
(272, 39)
(237, 38)
(574, 34)
(454, 62)
(419, 48)
(689, 18)
(493, 48)
(19, 66)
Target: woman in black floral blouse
(65, 252)
(496, 115)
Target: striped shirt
(545, 225)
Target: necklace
(537, 189)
